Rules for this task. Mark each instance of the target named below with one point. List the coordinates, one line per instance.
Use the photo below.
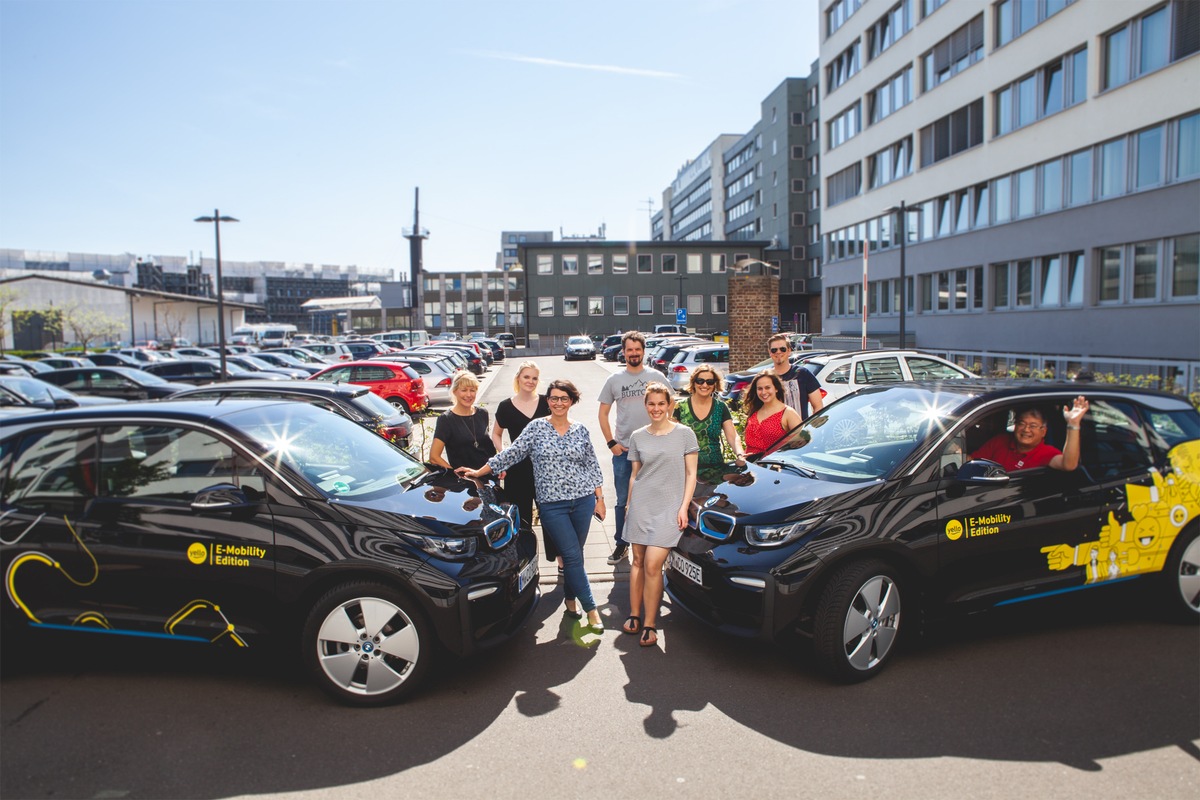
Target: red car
(399, 384)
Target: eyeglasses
(558, 398)
(1030, 426)
(780, 349)
(706, 381)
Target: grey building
(511, 240)
(602, 287)
(692, 208)
(492, 301)
(1047, 156)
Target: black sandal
(647, 632)
(572, 614)
(635, 628)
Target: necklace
(470, 428)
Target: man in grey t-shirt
(626, 390)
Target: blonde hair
(524, 365)
(463, 378)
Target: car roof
(325, 388)
(197, 411)
(991, 389)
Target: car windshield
(373, 405)
(339, 458)
(866, 435)
(579, 340)
(33, 391)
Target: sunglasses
(706, 381)
(780, 349)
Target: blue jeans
(622, 469)
(567, 523)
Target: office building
(1047, 156)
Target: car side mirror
(218, 497)
(982, 472)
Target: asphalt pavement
(588, 377)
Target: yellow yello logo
(954, 530)
(197, 553)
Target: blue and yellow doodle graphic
(1141, 545)
(95, 618)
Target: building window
(1058, 85)
(595, 306)
(1080, 164)
(718, 304)
(843, 68)
(890, 96)
(620, 264)
(669, 303)
(570, 265)
(952, 134)
(1185, 267)
(890, 163)
(930, 6)
(695, 263)
(1187, 159)
(1149, 170)
(570, 306)
(595, 264)
(620, 305)
(695, 304)
(669, 263)
(845, 126)
(1110, 275)
(1015, 17)
(889, 28)
(1145, 271)
(716, 262)
(1145, 43)
(845, 184)
(1112, 168)
(953, 54)
(645, 263)
(545, 265)
(645, 304)
(798, 185)
(545, 306)
(838, 13)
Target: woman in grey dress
(663, 456)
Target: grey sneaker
(618, 554)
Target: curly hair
(753, 403)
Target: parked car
(507, 339)
(200, 371)
(23, 394)
(142, 355)
(115, 360)
(64, 362)
(122, 383)
(196, 352)
(496, 347)
(356, 403)
(665, 352)
(472, 362)
(332, 352)
(365, 349)
(841, 374)
(679, 370)
(398, 384)
(280, 359)
(437, 373)
(252, 363)
(579, 347)
(236, 523)
(307, 357)
(21, 367)
(867, 518)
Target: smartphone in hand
(599, 518)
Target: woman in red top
(769, 418)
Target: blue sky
(312, 122)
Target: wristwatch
(612, 443)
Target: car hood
(438, 501)
(754, 494)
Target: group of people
(658, 448)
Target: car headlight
(777, 535)
(447, 548)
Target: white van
(276, 336)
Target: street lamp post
(216, 219)
(903, 212)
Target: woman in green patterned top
(709, 418)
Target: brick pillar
(753, 300)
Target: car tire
(1181, 576)
(399, 404)
(367, 644)
(857, 621)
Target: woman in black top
(460, 437)
(512, 415)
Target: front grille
(715, 525)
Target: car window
(1113, 442)
(170, 464)
(419, 367)
(107, 381)
(878, 370)
(53, 471)
(838, 375)
(372, 374)
(1175, 427)
(929, 369)
(335, 375)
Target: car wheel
(366, 644)
(1181, 576)
(399, 404)
(858, 620)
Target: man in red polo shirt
(1025, 447)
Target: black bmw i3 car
(221, 523)
(872, 514)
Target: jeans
(622, 470)
(567, 523)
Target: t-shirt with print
(798, 384)
(626, 391)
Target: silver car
(580, 347)
(715, 354)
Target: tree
(87, 325)
(8, 303)
(172, 326)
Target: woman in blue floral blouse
(568, 484)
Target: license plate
(527, 575)
(688, 569)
